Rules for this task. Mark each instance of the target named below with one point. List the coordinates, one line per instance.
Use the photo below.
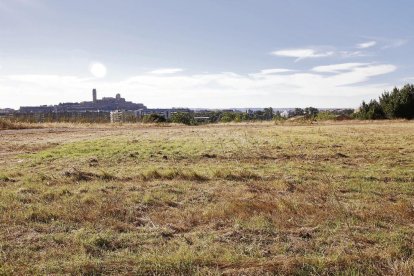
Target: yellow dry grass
(250, 199)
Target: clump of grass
(42, 215)
(191, 175)
(6, 178)
(79, 175)
(169, 174)
(107, 176)
(237, 175)
(7, 124)
(259, 223)
(97, 244)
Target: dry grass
(228, 199)
(7, 124)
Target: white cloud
(394, 43)
(336, 68)
(362, 73)
(304, 53)
(345, 87)
(300, 54)
(348, 54)
(166, 71)
(366, 45)
(275, 71)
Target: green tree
(268, 113)
(311, 112)
(371, 111)
(258, 115)
(399, 103)
(240, 117)
(228, 117)
(298, 112)
(153, 118)
(183, 118)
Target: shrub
(325, 115)
(183, 118)
(228, 117)
(370, 111)
(153, 118)
(311, 112)
(240, 117)
(6, 124)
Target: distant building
(7, 110)
(106, 104)
(117, 116)
(165, 112)
(202, 119)
(285, 114)
(94, 95)
(37, 109)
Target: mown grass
(237, 199)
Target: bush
(228, 117)
(7, 124)
(183, 118)
(311, 112)
(153, 118)
(297, 112)
(370, 111)
(325, 115)
(240, 117)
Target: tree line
(267, 114)
(395, 104)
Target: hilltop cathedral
(106, 104)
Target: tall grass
(7, 124)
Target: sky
(205, 53)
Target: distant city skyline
(206, 53)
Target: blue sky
(199, 53)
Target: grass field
(250, 199)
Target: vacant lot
(220, 199)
